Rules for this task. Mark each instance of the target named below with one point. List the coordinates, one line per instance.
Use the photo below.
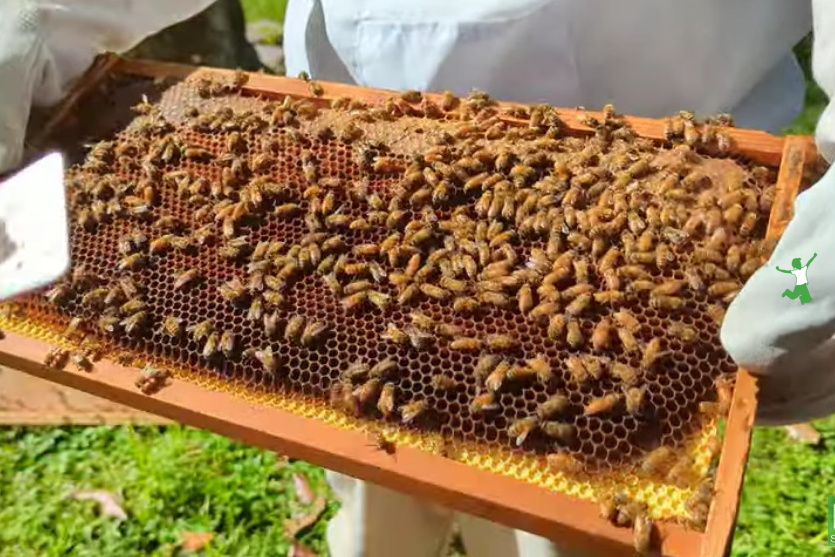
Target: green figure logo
(801, 289)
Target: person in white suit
(649, 57)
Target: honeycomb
(674, 228)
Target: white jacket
(46, 44)
(650, 57)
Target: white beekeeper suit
(650, 57)
(46, 44)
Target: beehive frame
(451, 483)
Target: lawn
(178, 486)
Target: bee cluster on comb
(441, 263)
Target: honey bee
(643, 533)
(151, 380)
(601, 334)
(574, 336)
(408, 294)
(626, 320)
(453, 285)
(56, 358)
(496, 378)
(520, 429)
(543, 310)
(380, 442)
(624, 372)
(635, 398)
(449, 101)
(108, 324)
(465, 305)
(395, 335)
(197, 154)
(356, 371)
(668, 288)
(671, 303)
(577, 369)
(694, 281)
(134, 323)
(652, 352)
(133, 262)
(186, 278)
(724, 393)
(557, 405)
(556, 327)
(383, 369)
(634, 272)
(485, 365)
(356, 286)
(681, 472)
(266, 357)
(443, 382)
(565, 433)
(435, 292)
(294, 329)
(519, 373)
(256, 310)
(466, 344)
(80, 360)
(76, 325)
(413, 410)
(627, 339)
(484, 403)
(132, 306)
(387, 400)
(723, 288)
(656, 462)
(541, 368)
(422, 321)
(60, 294)
(564, 463)
(500, 342)
(313, 333)
(573, 292)
(683, 332)
(354, 301)
(210, 348)
(449, 330)
(95, 297)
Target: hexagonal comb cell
(457, 267)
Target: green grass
(172, 480)
(784, 500)
(815, 100)
(264, 9)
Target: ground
(175, 484)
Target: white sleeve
(823, 67)
(789, 344)
(46, 44)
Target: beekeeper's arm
(789, 345)
(46, 44)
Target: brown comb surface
(548, 193)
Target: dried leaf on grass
(191, 542)
(298, 549)
(109, 504)
(306, 517)
(804, 433)
(304, 494)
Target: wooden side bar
(731, 471)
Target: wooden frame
(572, 522)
